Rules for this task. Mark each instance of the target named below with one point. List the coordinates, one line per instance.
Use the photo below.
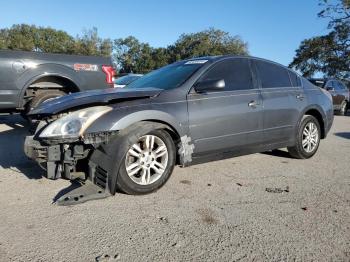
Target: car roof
(222, 57)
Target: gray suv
(189, 112)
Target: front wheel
(147, 164)
(308, 138)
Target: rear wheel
(308, 138)
(40, 98)
(343, 108)
(148, 163)
(44, 96)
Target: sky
(272, 28)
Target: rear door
(283, 99)
(223, 120)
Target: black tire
(36, 101)
(128, 186)
(343, 108)
(298, 150)
(44, 96)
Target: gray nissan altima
(189, 112)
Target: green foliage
(130, 54)
(328, 54)
(91, 44)
(45, 39)
(205, 43)
(133, 56)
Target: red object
(110, 72)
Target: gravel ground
(261, 207)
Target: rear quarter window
(294, 78)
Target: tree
(45, 39)
(53, 41)
(91, 44)
(3, 39)
(205, 43)
(160, 57)
(328, 54)
(130, 54)
(338, 12)
(31, 38)
(21, 37)
(134, 56)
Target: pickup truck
(28, 79)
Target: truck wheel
(44, 96)
(148, 163)
(308, 138)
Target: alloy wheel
(310, 137)
(147, 160)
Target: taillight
(109, 71)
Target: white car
(125, 80)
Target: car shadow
(13, 130)
(278, 153)
(343, 134)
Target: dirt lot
(219, 211)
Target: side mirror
(210, 85)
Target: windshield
(124, 80)
(167, 77)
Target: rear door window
(235, 72)
(272, 75)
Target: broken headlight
(75, 123)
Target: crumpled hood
(94, 97)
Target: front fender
(120, 119)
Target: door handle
(253, 104)
(300, 96)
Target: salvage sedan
(186, 113)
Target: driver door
(221, 121)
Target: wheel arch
(316, 112)
(110, 159)
(49, 81)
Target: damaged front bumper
(69, 159)
(60, 161)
